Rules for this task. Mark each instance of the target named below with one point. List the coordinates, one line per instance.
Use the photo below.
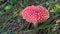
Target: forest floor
(11, 22)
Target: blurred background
(11, 22)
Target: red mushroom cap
(35, 14)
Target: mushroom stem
(35, 25)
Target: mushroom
(35, 14)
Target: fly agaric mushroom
(35, 14)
